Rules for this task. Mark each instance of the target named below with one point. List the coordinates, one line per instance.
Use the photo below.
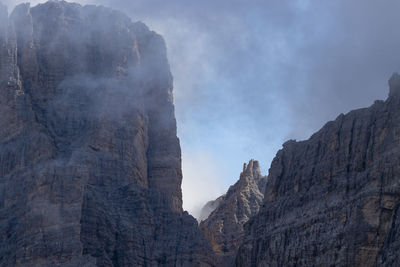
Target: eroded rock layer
(224, 226)
(334, 200)
(90, 167)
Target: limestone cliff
(90, 164)
(224, 226)
(334, 200)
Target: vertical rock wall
(334, 199)
(90, 168)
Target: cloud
(205, 181)
(250, 74)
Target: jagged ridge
(224, 226)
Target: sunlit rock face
(334, 200)
(224, 227)
(90, 167)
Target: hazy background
(249, 75)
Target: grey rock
(90, 164)
(224, 226)
(333, 200)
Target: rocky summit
(224, 226)
(90, 164)
(334, 200)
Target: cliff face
(90, 167)
(224, 226)
(334, 200)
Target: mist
(250, 75)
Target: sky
(249, 75)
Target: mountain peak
(252, 169)
(224, 227)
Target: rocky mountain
(224, 226)
(90, 164)
(334, 200)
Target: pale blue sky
(251, 74)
